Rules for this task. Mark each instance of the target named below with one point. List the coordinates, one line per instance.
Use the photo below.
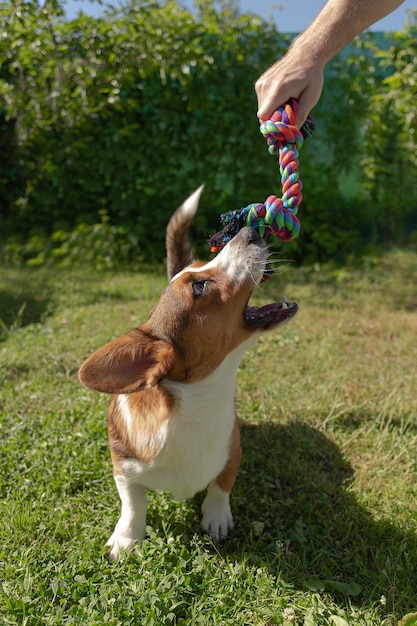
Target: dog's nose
(250, 235)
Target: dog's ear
(127, 364)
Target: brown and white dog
(172, 421)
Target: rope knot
(277, 216)
(280, 129)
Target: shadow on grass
(296, 515)
(31, 296)
(23, 301)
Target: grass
(325, 502)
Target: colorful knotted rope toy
(277, 216)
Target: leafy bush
(112, 115)
(107, 114)
(390, 158)
(100, 245)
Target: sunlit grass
(325, 502)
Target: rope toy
(277, 216)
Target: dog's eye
(199, 288)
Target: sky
(290, 16)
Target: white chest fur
(196, 437)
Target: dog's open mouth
(270, 315)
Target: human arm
(299, 73)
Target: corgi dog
(172, 423)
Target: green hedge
(123, 116)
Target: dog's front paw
(116, 544)
(217, 515)
(123, 538)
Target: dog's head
(204, 310)
(200, 318)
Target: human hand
(290, 77)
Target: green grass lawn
(325, 504)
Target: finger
(271, 103)
(307, 100)
(302, 115)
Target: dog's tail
(179, 250)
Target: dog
(172, 423)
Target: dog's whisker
(278, 254)
(279, 266)
(254, 280)
(279, 259)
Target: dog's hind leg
(217, 514)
